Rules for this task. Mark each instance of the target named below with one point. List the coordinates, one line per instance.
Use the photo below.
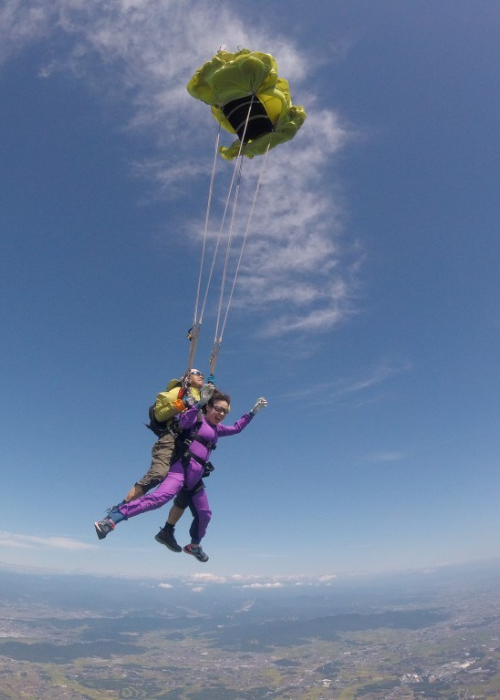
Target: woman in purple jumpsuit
(187, 470)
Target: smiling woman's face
(217, 412)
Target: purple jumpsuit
(174, 482)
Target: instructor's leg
(167, 490)
(161, 457)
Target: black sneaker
(196, 552)
(104, 527)
(167, 538)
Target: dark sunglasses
(220, 410)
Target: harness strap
(187, 455)
(206, 443)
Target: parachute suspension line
(238, 169)
(228, 250)
(194, 332)
(207, 218)
(216, 250)
(245, 235)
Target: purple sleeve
(188, 419)
(223, 430)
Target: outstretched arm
(224, 430)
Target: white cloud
(272, 582)
(263, 585)
(165, 585)
(13, 540)
(208, 578)
(256, 581)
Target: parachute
(248, 99)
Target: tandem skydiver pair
(188, 419)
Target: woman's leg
(201, 516)
(164, 493)
(155, 499)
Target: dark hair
(219, 396)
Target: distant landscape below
(432, 634)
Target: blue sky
(366, 312)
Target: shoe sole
(193, 554)
(100, 534)
(168, 546)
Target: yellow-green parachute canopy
(248, 99)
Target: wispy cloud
(21, 23)
(379, 375)
(13, 540)
(297, 264)
(389, 456)
(140, 54)
(328, 392)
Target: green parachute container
(248, 99)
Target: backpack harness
(159, 428)
(183, 440)
(183, 453)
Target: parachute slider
(248, 112)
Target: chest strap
(195, 437)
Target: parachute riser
(214, 356)
(193, 335)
